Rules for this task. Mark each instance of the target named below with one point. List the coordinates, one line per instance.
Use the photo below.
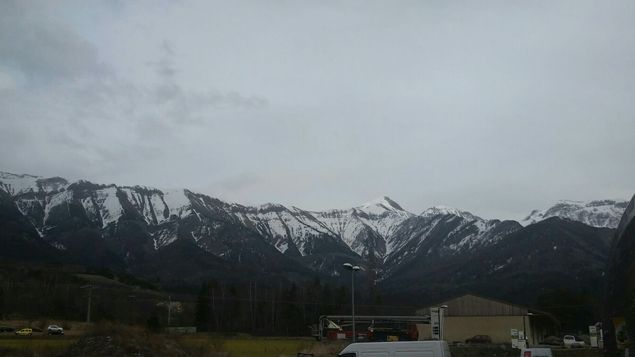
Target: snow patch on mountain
(164, 236)
(387, 223)
(91, 209)
(282, 226)
(140, 203)
(359, 228)
(380, 205)
(441, 232)
(412, 234)
(598, 213)
(18, 184)
(344, 224)
(484, 234)
(53, 184)
(161, 210)
(177, 202)
(445, 210)
(368, 226)
(57, 199)
(27, 205)
(108, 204)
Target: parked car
(6, 329)
(551, 341)
(570, 341)
(24, 332)
(479, 339)
(55, 330)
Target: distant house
(470, 315)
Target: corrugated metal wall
(471, 305)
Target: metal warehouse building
(470, 315)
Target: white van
(572, 341)
(397, 349)
(536, 352)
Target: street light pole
(524, 333)
(130, 318)
(442, 321)
(353, 269)
(90, 294)
(525, 328)
(169, 309)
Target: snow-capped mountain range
(379, 234)
(363, 229)
(599, 213)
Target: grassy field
(247, 346)
(197, 344)
(38, 344)
(244, 346)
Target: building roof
(475, 305)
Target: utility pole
(90, 295)
(169, 309)
(353, 269)
(130, 318)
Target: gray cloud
(61, 103)
(186, 105)
(44, 50)
(496, 107)
(240, 182)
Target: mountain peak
(597, 213)
(15, 184)
(5, 175)
(445, 210)
(380, 205)
(271, 207)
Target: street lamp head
(348, 266)
(356, 268)
(444, 306)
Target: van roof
(387, 346)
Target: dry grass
(116, 340)
(128, 338)
(27, 346)
(326, 348)
(245, 346)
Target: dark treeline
(59, 294)
(284, 309)
(45, 293)
(30, 293)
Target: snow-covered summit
(380, 205)
(271, 207)
(597, 213)
(445, 210)
(15, 184)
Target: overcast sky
(496, 107)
